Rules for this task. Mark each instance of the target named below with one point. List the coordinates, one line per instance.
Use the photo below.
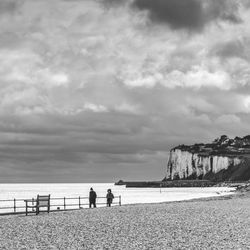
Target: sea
(72, 191)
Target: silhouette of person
(109, 197)
(92, 198)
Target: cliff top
(221, 145)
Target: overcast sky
(101, 90)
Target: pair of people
(93, 196)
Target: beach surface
(211, 223)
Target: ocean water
(74, 190)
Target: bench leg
(26, 208)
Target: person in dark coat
(92, 198)
(109, 197)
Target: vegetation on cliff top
(220, 146)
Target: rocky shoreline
(211, 223)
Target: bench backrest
(43, 200)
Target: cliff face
(222, 160)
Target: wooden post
(26, 209)
(120, 200)
(14, 205)
(33, 205)
(64, 203)
(79, 202)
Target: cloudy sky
(101, 90)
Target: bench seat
(42, 201)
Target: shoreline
(221, 197)
(166, 198)
(231, 195)
(205, 223)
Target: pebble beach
(211, 223)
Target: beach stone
(200, 224)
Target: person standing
(109, 197)
(92, 198)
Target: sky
(101, 90)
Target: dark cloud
(189, 14)
(230, 49)
(9, 40)
(177, 13)
(8, 6)
(246, 3)
(111, 3)
(226, 10)
(114, 1)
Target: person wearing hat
(92, 198)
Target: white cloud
(28, 67)
(128, 108)
(17, 65)
(197, 78)
(246, 103)
(50, 79)
(95, 107)
(239, 69)
(147, 81)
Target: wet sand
(212, 223)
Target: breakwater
(174, 183)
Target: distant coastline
(177, 183)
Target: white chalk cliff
(224, 159)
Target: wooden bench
(42, 201)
